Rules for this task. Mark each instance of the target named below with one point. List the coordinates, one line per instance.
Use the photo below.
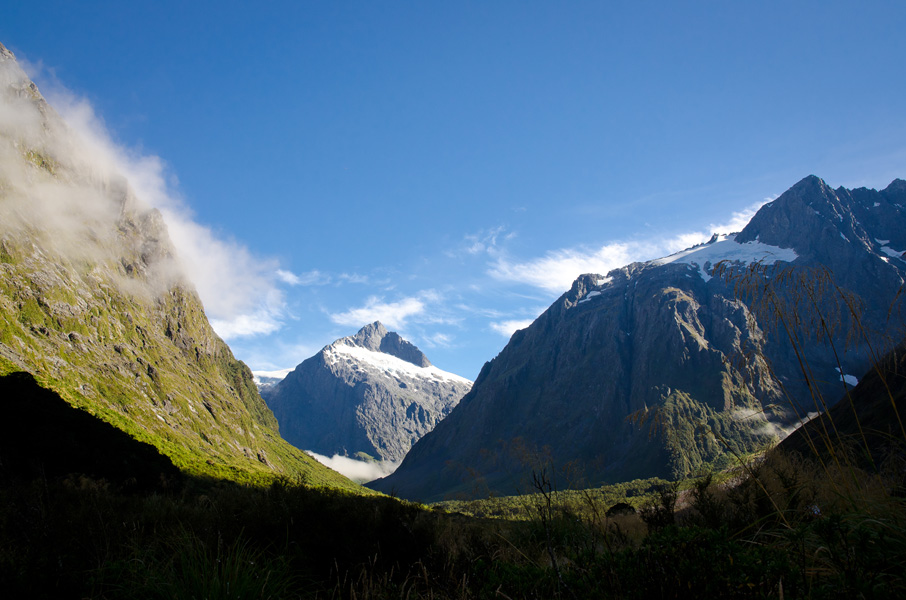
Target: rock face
(94, 305)
(372, 393)
(661, 368)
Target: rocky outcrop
(664, 368)
(373, 393)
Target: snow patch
(705, 256)
(391, 364)
(892, 253)
(848, 379)
(589, 296)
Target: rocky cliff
(664, 368)
(373, 393)
(94, 305)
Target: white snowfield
(393, 365)
(705, 256)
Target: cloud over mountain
(557, 269)
(241, 292)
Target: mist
(84, 184)
(359, 471)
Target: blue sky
(449, 168)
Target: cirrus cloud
(392, 314)
(508, 328)
(555, 271)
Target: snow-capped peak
(725, 247)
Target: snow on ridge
(394, 365)
(851, 380)
(589, 296)
(257, 376)
(727, 248)
(891, 252)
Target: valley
(723, 421)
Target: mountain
(662, 368)
(868, 421)
(372, 393)
(94, 305)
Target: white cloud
(556, 270)
(313, 277)
(357, 470)
(739, 219)
(288, 277)
(260, 323)
(437, 340)
(484, 241)
(392, 314)
(508, 328)
(240, 291)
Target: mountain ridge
(620, 372)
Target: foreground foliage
(781, 530)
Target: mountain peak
(808, 182)
(370, 335)
(372, 392)
(897, 185)
(377, 338)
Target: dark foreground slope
(866, 427)
(83, 538)
(658, 369)
(372, 393)
(93, 304)
(44, 437)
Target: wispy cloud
(485, 240)
(313, 277)
(354, 278)
(392, 314)
(508, 328)
(557, 269)
(437, 340)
